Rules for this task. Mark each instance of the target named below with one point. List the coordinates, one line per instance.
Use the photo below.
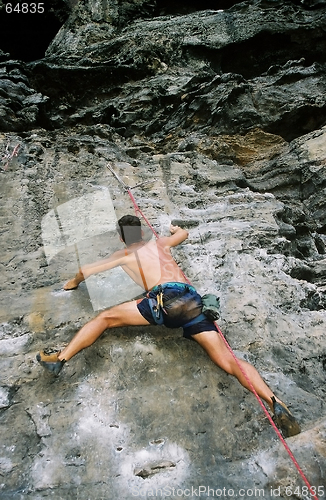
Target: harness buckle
(159, 300)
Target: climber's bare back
(156, 262)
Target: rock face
(218, 109)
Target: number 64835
(304, 491)
(25, 8)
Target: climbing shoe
(284, 419)
(49, 360)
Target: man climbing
(169, 300)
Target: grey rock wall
(220, 113)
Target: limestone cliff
(218, 109)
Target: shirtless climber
(151, 265)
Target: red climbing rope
(138, 211)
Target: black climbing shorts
(185, 305)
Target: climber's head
(129, 229)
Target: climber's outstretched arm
(96, 267)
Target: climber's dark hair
(129, 229)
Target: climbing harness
(137, 210)
(160, 304)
